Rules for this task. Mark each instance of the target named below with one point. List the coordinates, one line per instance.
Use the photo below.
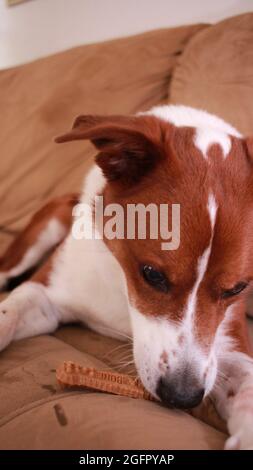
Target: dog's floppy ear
(128, 146)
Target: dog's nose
(178, 395)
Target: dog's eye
(155, 278)
(235, 291)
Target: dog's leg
(48, 227)
(233, 391)
(28, 311)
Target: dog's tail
(46, 230)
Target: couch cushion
(5, 239)
(37, 414)
(40, 100)
(215, 72)
(99, 421)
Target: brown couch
(204, 66)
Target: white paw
(238, 443)
(8, 322)
(232, 443)
(240, 425)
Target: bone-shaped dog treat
(70, 374)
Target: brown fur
(146, 160)
(60, 209)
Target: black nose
(177, 395)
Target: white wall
(40, 27)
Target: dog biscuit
(70, 374)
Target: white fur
(87, 284)
(237, 408)
(206, 137)
(27, 311)
(154, 336)
(52, 234)
(210, 129)
(201, 266)
(223, 343)
(88, 280)
(212, 210)
(192, 299)
(240, 413)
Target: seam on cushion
(8, 231)
(21, 364)
(86, 355)
(39, 403)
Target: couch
(206, 66)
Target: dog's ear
(128, 146)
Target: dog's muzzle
(180, 390)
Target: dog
(184, 308)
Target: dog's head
(185, 303)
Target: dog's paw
(240, 426)
(238, 443)
(232, 443)
(8, 321)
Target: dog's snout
(179, 394)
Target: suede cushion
(40, 101)
(215, 72)
(37, 414)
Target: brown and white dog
(184, 308)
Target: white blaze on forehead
(154, 336)
(159, 337)
(205, 137)
(210, 129)
(182, 116)
(212, 210)
(201, 264)
(192, 299)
